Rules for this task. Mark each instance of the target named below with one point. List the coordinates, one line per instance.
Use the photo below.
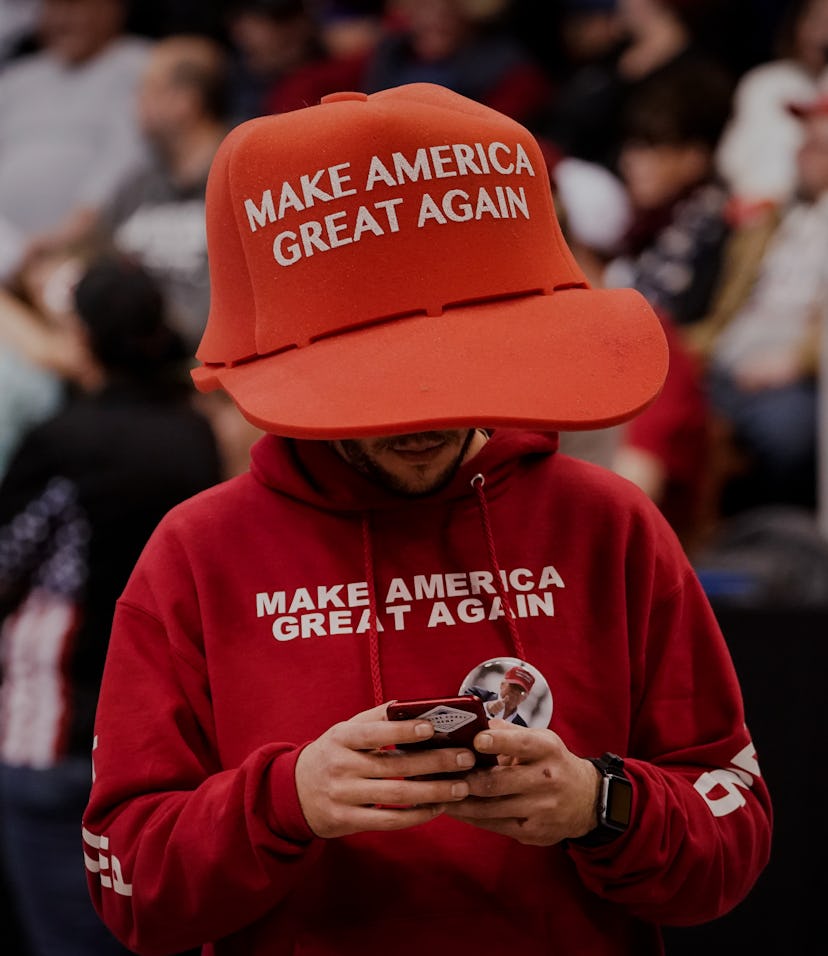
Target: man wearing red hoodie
(392, 301)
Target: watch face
(618, 802)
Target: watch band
(609, 763)
(614, 802)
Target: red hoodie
(245, 632)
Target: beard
(363, 456)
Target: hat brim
(575, 359)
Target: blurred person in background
(640, 40)
(157, 216)
(269, 38)
(464, 46)
(762, 350)
(590, 30)
(595, 213)
(757, 153)
(591, 36)
(41, 355)
(672, 251)
(18, 19)
(281, 59)
(68, 135)
(667, 450)
(349, 28)
(79, 500)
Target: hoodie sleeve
(701, 827)
(179, 850)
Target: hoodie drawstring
(373, 632)
(477, 483)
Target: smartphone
(456, 721)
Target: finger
(374, 734)
(502, 781)
(398, 792)
(370, 715)
(391, 818)
(417, 763)
(522, 742)
(379, 712)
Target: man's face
(165, 106)
(415, 464)
(438, 27)
(655, 175)
(511, 695)
(76, 30)
(811, 36)
(154, 94)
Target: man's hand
(348, 783)
(540, 793)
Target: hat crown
(392, 263)
(365, 209)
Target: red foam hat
(392, 263)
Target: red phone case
(456, 721)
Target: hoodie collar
(314, 473)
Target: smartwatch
(614, 802)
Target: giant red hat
(392, 263)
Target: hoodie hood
(314, 473)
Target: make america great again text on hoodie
(244, 632)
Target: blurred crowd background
(687, 147)
(686, 143)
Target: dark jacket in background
(81, 497)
